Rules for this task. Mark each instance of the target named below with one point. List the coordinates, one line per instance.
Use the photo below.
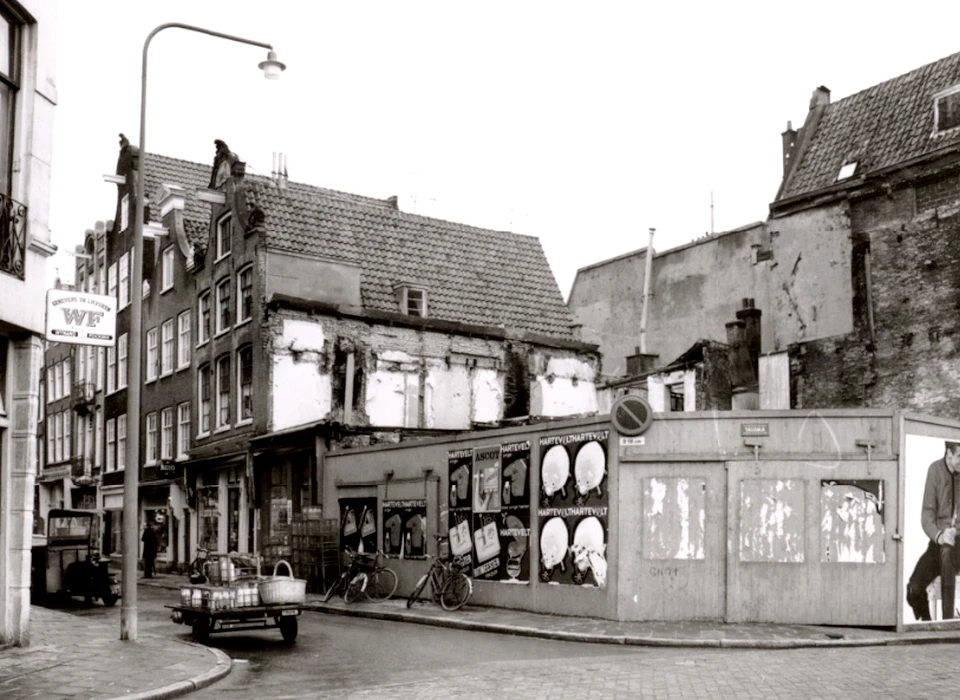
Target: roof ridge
(925, 66)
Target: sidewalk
(580, 629)
(83, 658)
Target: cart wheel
(110, 599)
(288, 628)
(201, 630)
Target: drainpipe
(647, 274)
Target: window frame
(204, 400)
(166, 348)
(111, 369)
(150, 432)
(10, 81)
(166, 433)
(950, 93)
(113, 289)
(242, 418)
(204, 325)
(166, 269)
(222, 322)
(123, 282)
(183, 340)
(244, 294)
(222, 380)
(121, 442)
(183, 430)
(224, 237)
(122, 361)
(151, 356)
(110, 453)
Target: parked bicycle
(449, 585)
(365, 575)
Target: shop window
(208, 512)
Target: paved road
(338, 657)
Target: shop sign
(81, 318)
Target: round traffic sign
(631, 415)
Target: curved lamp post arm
(131, 477)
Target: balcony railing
(82, 395)
(13, 236)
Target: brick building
(853, 271)
(282, 320)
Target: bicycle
(450, 586)
(366, 575)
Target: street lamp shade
(272, 67)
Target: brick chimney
(640, 362)
(789, 147)
(820, 97)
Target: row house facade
(852, 276)
(28, 96)
(283, 320)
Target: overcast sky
(583, 124)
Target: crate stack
(315, 543)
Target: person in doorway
(149, 539)
(939, 520)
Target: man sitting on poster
(939, 520)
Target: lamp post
(131, 478)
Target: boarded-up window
(771, 520)
(674, 514)
(851, 521)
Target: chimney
(820, 97)
(394, 202)
(789, 146)
(640, 362)
(750, 315)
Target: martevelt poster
(358, 524)
(404, 528)
(574, 508)
(489, 520)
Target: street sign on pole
(81, 318)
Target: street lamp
(131, 479)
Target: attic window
(946, 110)
(413, 300)
(846, 171)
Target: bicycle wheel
(382, 584)
(456, 591)
(355, 588)
(418, 589)
(334, 587)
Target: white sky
(583, 124)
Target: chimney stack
(789, 138)
(640, 362)
(820, 97)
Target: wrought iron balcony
(13, 236)
(81, 396)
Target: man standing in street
(149, 540)
(939, 520)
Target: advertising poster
(930, 503)
(358, 524)
(574, 509)
(405, 528)
(460, 507)
(486, 479)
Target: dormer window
(412, 300)
(224, 230)
(946, 110)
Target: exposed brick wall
(937, 192)
(713, 380)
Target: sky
(584, 124)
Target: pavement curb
(223, 668)
(651, 641)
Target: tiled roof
(878, 127)
(471, 275)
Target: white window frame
(222, 396)
(248, 270)
(98, 439)
(51, 383)
(183, 430)
(224, 236)
(166, 269)
(58, 376)
(67, 436)
(205, 404)
(151, 441)
(58, 445)
(101, 355)
(125, 212)
(122, 362)
(223, 307)
(166, 348)
(111, 369)
(406, 301)
(124, 281)
(151, 355)
(110, 454)
(67, 377)
(121, 442)
(183, 340)
(51, 438)
(203, 333)
(241, 418)
(936, 110)
(112, 288)
(166, 433)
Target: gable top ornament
(225, 164)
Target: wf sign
(81, 318)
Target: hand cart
(205, 621)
